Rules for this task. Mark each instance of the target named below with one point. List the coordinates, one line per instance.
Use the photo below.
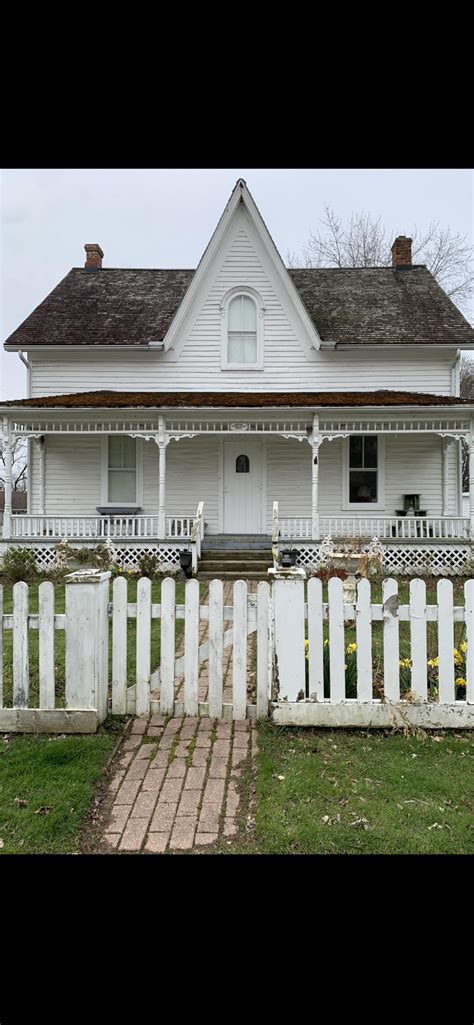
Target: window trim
(233, 293)
(364, 506)
(104, 487)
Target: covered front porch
(170, 477)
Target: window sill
(369, 507)
(241, 366)
(118, 510)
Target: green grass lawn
(356, 792)
(46, 789)
(60, 639)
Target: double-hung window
(242, 330)
(364, 472)
(122, 471)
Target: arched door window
(242, 464)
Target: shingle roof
(378, 305)
(371, 306)
(242, 400)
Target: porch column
(315, 443)
(471, 479)
(40, 442)
(446, 442)
(162, 441)
(7, 448)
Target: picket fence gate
(276, 621)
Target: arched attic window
(242, 341)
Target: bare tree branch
(365, 242)
(19, 466)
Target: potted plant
(288, 557)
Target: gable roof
(105, 307)
(241, 202)
(333, 306)
(353, 306)
(234, 400)
(381, 306)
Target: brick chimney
(94, 256)
(401, 253)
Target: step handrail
(197, 534)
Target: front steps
(235, 563)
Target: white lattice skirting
(408, 560)
(128, 555)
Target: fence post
(288, 604)
(87, 641)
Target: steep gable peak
(240, 199)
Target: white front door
(243, 513)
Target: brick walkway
(175, 783)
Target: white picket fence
(299, 695)
(275, 621)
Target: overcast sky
(164, 218)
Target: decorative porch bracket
(162, 439)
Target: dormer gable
(241, 227)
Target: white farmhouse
(245, 398)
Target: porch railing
(98, 527)
(384, 527)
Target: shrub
(148, 565)
(83, 555)
(19, 564)
(324, 573)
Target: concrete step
(233, 556)
(235, 565)
(236, 544)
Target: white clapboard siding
(167, 645)
(21, 679)
(191, 647)
(143, 645)
(46, 644)
(239, 653)
(119, 647)
(315, 640)
(391, 642)
(216, 631)
(336, 640)
(263, 649)
(364, 642)
(445, 641)
(418, 642)
(469, 613)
